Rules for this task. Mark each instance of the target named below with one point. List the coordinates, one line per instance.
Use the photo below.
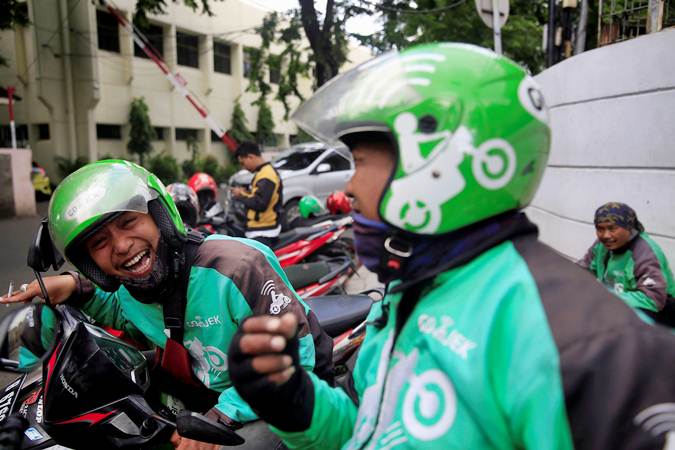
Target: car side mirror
(322, 168)
(42, 254)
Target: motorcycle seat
(339, 313)
(301, 275)
(296, 234)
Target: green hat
(469, 127)
(310, 206)
(91, 196)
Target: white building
(77, 72)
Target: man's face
(374, 162)
(611, 235)
(248, 162)
(125, 247)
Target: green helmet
(96, 193)
(469, 127)
(310, 206)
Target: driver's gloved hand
(286, 406)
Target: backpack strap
(174, 307)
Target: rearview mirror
(42, 253)
(322, 168)
(27, 337)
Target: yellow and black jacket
(263, 200)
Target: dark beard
(152, 288)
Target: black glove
(288, 406)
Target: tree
(265, 133)
(142, 133)
(434, 20)
(327, 35)
(238, 124)
(14, 12)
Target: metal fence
(626, 19)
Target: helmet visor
(92, 194)
(359, 99)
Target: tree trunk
(320, 39)
(580, 44)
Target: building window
(215, 138)
(159, 131)
(43, 131)
(275, 69)
(187, 47)
(108, 31)
(248, 61)
(6, 136)
(183, 134)
(155, 35)
(222, 59)
(107, 131)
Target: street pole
(10, 104)
(496, 27)
(551, 34)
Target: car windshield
(296, 160)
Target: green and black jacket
(638, 273)
(516, 349)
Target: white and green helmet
(470, 129)
(94, 194)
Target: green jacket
(498, 354)
(639, 273)
(230, 280)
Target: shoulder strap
(174, 307)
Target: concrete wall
(613, 121)
(18, 196)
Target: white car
(306, 169)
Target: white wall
(613, 121)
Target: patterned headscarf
(619, 214)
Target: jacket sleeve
(587, 262)
(332, 423)
(105, 308)
(650, 282)
(259, 197)
(233, 406)
(263, 288)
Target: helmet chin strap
(162, 280)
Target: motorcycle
(82, 387)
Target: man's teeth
(135, 260)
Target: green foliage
(301, 137)
(193, 146)
(66, 166)
(165, 167)
(142, 133)
(265, 133)
(14, 12)
(210, 165)
(238, 128)
(405, 25)
(189, 167)
(144, 7)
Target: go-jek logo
(429, 406)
